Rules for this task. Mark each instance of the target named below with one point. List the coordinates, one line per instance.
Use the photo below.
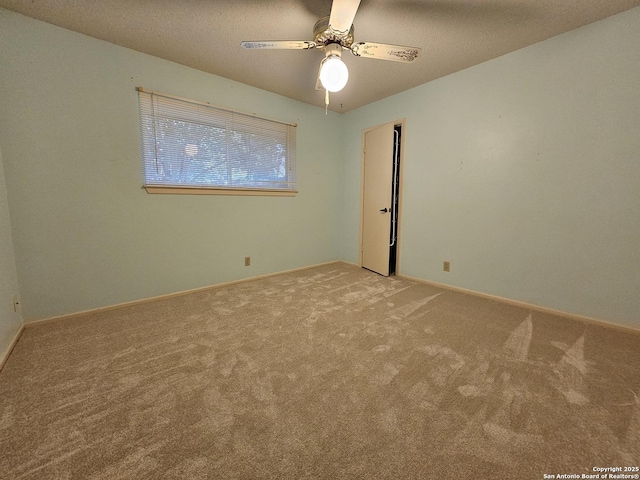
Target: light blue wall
(10, 321)
(524, 172)
(86, 235)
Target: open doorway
(395, 198)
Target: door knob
(384, 210)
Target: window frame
(180, 189)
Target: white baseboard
(528, 306)
(29, 323)
(5, 355)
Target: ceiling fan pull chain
(326, 102)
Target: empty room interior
(237, 330)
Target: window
(193, 147)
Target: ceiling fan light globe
(334, 74)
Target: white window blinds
(189, 144)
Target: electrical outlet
(16, 303)
(446, 266)
(247, 261)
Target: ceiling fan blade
(342, 14)
(280, 45)
(396, 53)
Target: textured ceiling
(206, 35)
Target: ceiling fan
(333, 34)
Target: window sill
(219, 191)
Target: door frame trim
(403, 123)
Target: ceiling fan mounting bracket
(324, 35)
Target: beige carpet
(332, 372)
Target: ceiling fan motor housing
(324, 35)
